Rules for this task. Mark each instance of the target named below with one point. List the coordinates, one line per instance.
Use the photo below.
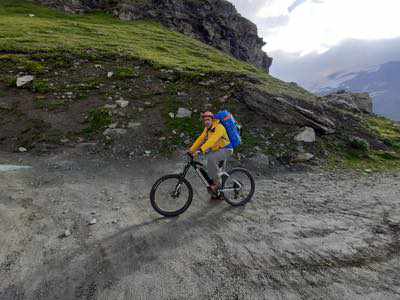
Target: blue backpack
(231, 126)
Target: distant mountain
(382, 82)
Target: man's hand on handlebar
(194, 154)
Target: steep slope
(214, 22)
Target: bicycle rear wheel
(171, 195)
(238, 188)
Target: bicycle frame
(198, 166)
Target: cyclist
(214, 143)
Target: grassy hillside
(53, 31)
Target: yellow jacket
(214, 138)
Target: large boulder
(357, 102)
(285, 109)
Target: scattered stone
(182, 135)
(31, 15)
(110, 74)
(97, 66)
(64, 141)
(148, 103)
(21, 81)
(67, 233)
(93, 221)
(368, 171)
(147, 153)
(110, 106)
(140, 109)
(163, 138)
(182, 94)
(134, 124)
(114, 131)
(22, 149)
(113, 125)
(223, 99)
(171, 115)
(122, 103)
(303, 157)
(306, 136)
(183, 113)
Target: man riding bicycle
(215, 144)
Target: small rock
(31, 15)
(140, 109)
(223, 99)
(183, 113)
(67, 233)
(113, 125)
(21, 81)
(134, 124)
(110, 74)
(303, 157)
(147, 153)
(93, 221)
(368, 171)
(64, 141)
(97, 66)
(122, 103)
(114, 131)
(148, 103)
(171, 115)
(306, 136)
(182, 94)
(163, 138)
(110, 106)
(22, 149)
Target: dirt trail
(306, 235)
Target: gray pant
(213, 158)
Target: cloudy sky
(305, 29)
(304, 26)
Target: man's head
(207, 117)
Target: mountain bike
(171, 195)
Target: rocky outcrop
(214, 22)
(285, 110)
(357, 102)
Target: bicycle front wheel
(171, 195)
(238, 188)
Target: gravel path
(306, 235)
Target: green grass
(123, 73)
(41, 86)
(385, 128)
(98, 120)
(20, 61)
(99, 34)
(48, 104)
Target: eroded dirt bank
(306, 235)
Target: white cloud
(316, 26)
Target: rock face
(286, 110)
(214, 22)
(359, 102)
